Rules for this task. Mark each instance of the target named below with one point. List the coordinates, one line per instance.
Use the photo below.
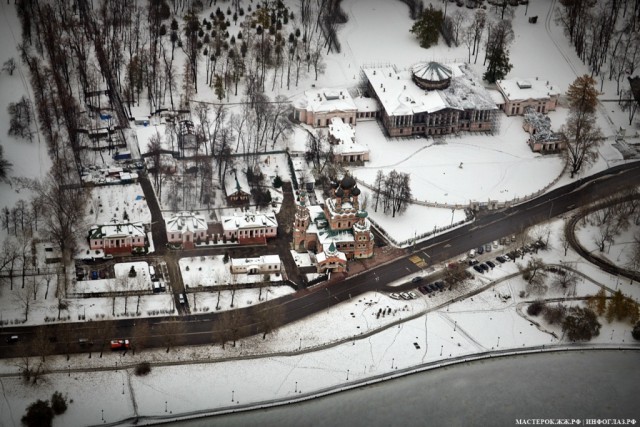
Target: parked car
(439, 284)
(102, 274)
(108, 256)
(94, 275)
(120, 344)
(404, 295)
(506, 257)
(480, 250)
(501, 259)
(484, 267)
(412, 295)
(85, 342)
(394, 295)
(423, 290)
(478, 269)
(490, 264)
(473, 262)
(487, 247)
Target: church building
(340, 227)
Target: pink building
(522, 93)
(117, 238)
(186, 228)
(250, 227)
(318, 106)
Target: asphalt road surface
(200, 329)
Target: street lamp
(232, 392)
(392, 360)
(498, 345)
(441, 349)
(455, 325)
(347, 375)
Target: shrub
(39, 414)
(581, 324)
(58, 403)
(635, 333)
(555, 314)
(143, 368)
(535, 308)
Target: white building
(250, 227)
(265, 264)
(186, 228)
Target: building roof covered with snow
(523, 89)
(246, 220)
(111, 231)
(325, 100)
(400, 95)
(186, 221)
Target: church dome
(355, 191)
(432, 75)
(347, 182)
(339, 192)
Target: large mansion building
(432, 99)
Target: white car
(507, 257)
(412, 295)
(394, 295)
(405, 295)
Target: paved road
(201, 329)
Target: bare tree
(9, 66)
(22, 297)
(269, 317)
(170, 331)
(535, 274)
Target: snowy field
(110, 202)
(349, 341)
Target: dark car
(484, 266)
(439, 284)
(433, 287)
(501, 259)
(480, 250)
(416, 279)
(423, 290)
(13, 339)
(490, 264)
(478, 269)
(94, 275)
(473, 262)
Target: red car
(120, 344)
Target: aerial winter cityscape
(319, 212)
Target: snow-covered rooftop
(325, 100)
(261, 260)
(249, 220)
(432, 71)
(186, 221)
(400, 96)
(540, 126)
(523, 89)
(116, 230)
(344, 137)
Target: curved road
(201, 329)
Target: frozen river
(495, 392)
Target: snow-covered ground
(342, 351)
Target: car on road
(85, 342)
(13, 339)
(394, 295)
(181, 298)
(416, 279)
(120, 344)
(490, 264)
(478, 269)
